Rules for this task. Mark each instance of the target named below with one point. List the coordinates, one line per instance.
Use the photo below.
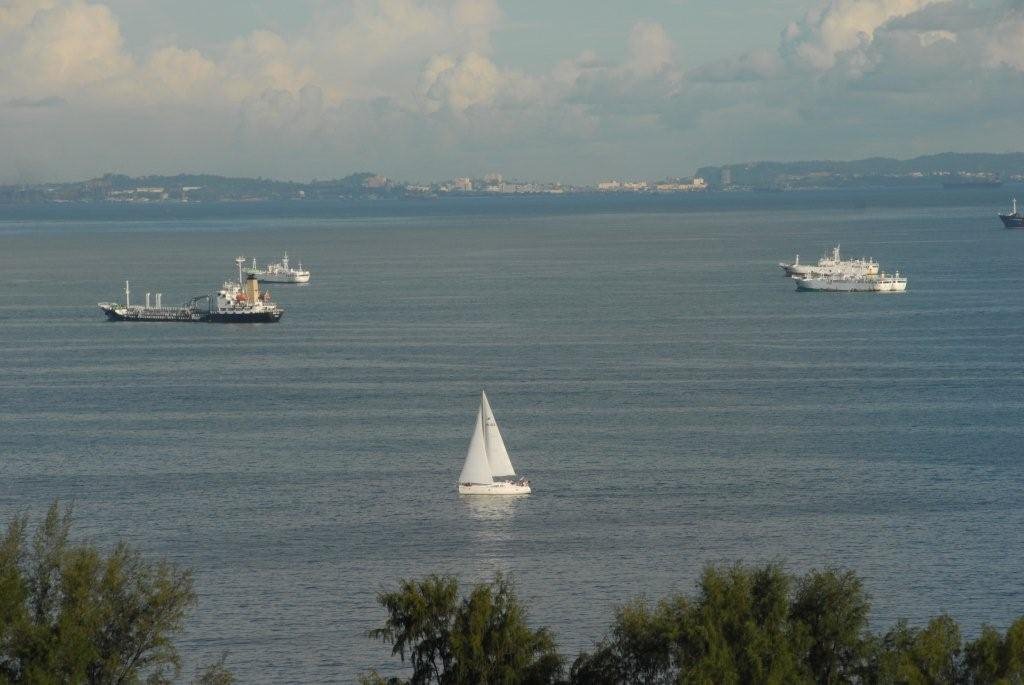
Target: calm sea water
(673, 399)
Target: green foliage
(758, 625)
(491, 642)
(1012, 663)
(69, 614)
(830, 616)
(482, 638)
(641, 648)
(736, 630)
(994, 659)
(984, 657)
(739, 630)
(216, 673)
(420, 619)
(916, 656)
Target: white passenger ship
(832, 264)
(282, 272)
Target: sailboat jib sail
(487, 458)
(476, 470)
(497, 455)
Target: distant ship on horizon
(282, 272)
(832, 264)
(240, 302)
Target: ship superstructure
(241, 302)
(282, 272)
(832, 264)
(1015, 219)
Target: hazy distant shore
(946, 170)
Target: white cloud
(15, 15)
(48, 48)
(864, 77)
(379, 80)
(842, 25)
(1005, 45)
(650, 48)
(413, 88)
(458, 84)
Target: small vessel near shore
(832, 264)
(844, 283)
(282, 272)
(240, 302)
(1015, 219)
(488, 468)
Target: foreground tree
(738, 629)
(480, 639)
(642, 647)
(70, 614)
(744, 625)
(993, 658)
(830, 616)
(758, 625)
(920, 656)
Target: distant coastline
(950, 170)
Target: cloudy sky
(571, 90)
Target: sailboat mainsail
(476, 468)
(497, 455)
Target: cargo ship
(1014, 219)
(240, 302)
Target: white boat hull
(275, 277)
(860, 285)
(496, 488)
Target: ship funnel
(147, 300)
(252, 289)
(158, 297)
(127, 295)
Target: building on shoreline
(675, 185)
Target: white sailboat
(488, 469)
